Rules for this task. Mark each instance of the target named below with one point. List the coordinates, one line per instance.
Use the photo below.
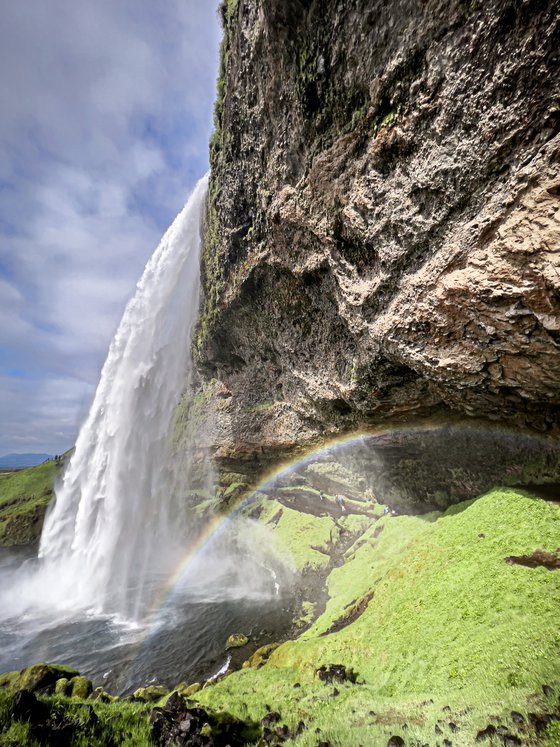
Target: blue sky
(106, 115)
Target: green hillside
(24, 497)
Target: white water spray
(115, 522)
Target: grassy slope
(300, 539)
(124, 724)
(452, 636)
(24, 497)
(450, 622)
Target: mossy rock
(188, 691)
(236, 640)
(43, 677)
(151, 693)
(62, 687)
(8, 680)
(103, 697)
(306, 615)
(206, 731)
(80, 687)
(261, 655)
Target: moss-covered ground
(78, 723)
(440, 640)
(24, 497)
(439, 627)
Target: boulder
(62, 687)
(151, 693)
(178, 723)
(80, 687)
(42, 678)
(261, 655)
(236, 640)
(188, 690)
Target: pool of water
(183, 640)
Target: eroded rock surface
(383, 227)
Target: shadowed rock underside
(382, 232)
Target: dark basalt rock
(541, 721)
(179, 723)
(26, 707)
(510, 740)
(42, 678)
(487, 733)
(539, 558)
(353, 613)
(49, 725)
(270, 718)
(336, 673)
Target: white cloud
(106, 114)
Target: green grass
(25, 483)
(302, 540)
(450, 622)
(24, 497)
(119, 723)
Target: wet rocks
(181, 724)
(42, 678)
(80, 687)
(236, 640)
(336, 673)
(353, 269)
(151, 693)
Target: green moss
(449, 623)
(212, 269)
(80, 687)
(236, 640)
(234, 489)
(261, 655)
(302, 540)
(91, 723)
(24, 497)
(306, 615)
(40, 676)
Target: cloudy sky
(106, 112)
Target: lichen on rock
(382, 232)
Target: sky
(106, 113)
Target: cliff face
(383, 227)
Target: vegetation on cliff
(24, 497)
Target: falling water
(116, 522)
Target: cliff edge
(382, 235)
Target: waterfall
(116, 522)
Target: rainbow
(217, 524)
